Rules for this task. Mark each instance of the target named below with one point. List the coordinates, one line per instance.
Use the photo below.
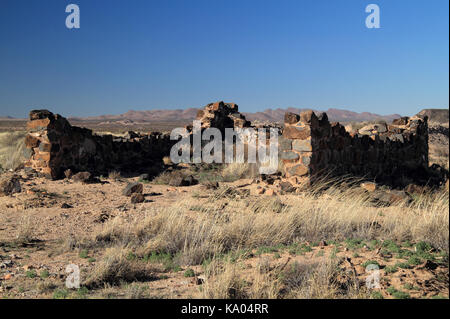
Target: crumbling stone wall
(222, 115)
(56, 146)
(394, 154)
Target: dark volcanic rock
(83, 177)
(137, 198)
(9, 184)
(133, 188)
(182, 181)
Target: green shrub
(397, 294)
(189, 273)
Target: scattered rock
(390, 197)
(259, 191)
(430, 265)
(6, 264)
(210, 185)
(7, 276)
(133, 188)
(144, 177)
(66, 206)
(182, 181)
(200, 280)
(416, 189)
(137, 198)
(83, 177)
(9, 184)
(369, 186)
(287, 187)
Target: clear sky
(144, 54)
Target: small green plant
(91, 259)
(189, 273)
(391, 246)
(409, 286)
(131, 256)
(397, 294)
(31, 273)
(82, 292)
(403, 265)
(391, 269)
(354, 243)
(439, 297)
(163, 258)
(83, 254)
(407, 244)
(44, 274)
(376, 295)
(423, 247)
(60, 294)
(414, 261)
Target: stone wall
(222, 115)
(56, 146)
(394, 154)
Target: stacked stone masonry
(312, 147)
(55, 146)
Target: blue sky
(144, 54)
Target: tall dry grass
(12, 148)
(336, 214)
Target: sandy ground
(37, 210)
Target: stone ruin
(222, 115)
(310, 147)
(395, 154)
(56, 146)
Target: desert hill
(270, 115)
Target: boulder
(390, 197)
(133, 188)
(369, 186)
(182, 181)
(137, 198)
(291, 118)
(287, 187)
(9, 184)
(83, 177)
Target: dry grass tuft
(115, 175)
(25, 231)
(117, 266)
(320, 280)
(12, 149)
(235, 171)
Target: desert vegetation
(12, 149)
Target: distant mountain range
(270, 115)
(435, 115)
